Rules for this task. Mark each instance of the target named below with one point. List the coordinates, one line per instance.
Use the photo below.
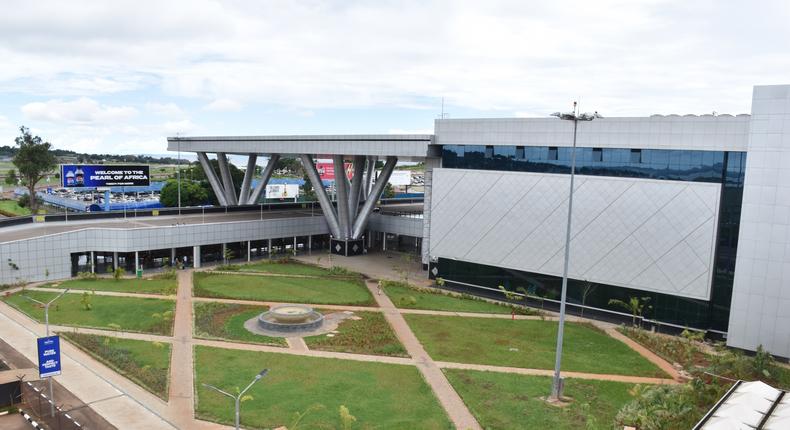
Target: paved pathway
(179, 411)
(453, 404)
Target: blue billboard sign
(104, 175)
(49, 356)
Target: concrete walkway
(179, 411)
(453, 404)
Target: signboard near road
(49, 356)
(104, 175)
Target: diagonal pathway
(453, 404)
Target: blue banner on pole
(49, 356)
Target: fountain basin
(290, 318)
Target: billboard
(400, 177)
(104, 175)
(282, 191)
(327, 170)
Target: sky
(120, 76)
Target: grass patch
(145, 363)
(527, 344)
(283, 289)
(371, 334)
(506, 401)
(409, 297)
(11, 208)
(380, 396)
(285, 267)
(225, 321)
(152, 285)
(114, 313)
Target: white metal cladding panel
(36, 256)
(712, 133)
(760, 312)
(645, 234)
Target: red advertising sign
(327, 171)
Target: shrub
(118, 273)
(87, 276)
(167, 274)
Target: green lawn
(145, 363)
(283, 289)
(526, 343)
(128, 313)
(422, 298)
(288, 267)
(225, 321)
(126, 285)
(12, 208)
(503, 401)
(380, 396)
(371, 334)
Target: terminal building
(688, 213)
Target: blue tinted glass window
(489, 151)
(597, 155)
(520, 152)
(552, 153)
(636, 156)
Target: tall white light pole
(237, 399)
(557, 385)
(46, 322)
(178, 171)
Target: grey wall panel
(396, 224)
(35, 256)
(760, 312)
(644, 234)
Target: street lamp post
(557, 385)
(178, 172)
(237, 398)
(46, 323)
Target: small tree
(635, 305)
(589, 287)
(10, 177)
(227, 255)
(34, 159)
(86, 301)
(117, 274)
(346, 419)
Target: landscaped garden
(406, 296)
(136, 314)
(291, 267)
(145, 363)
(364, 333)
(289, 289)
(507, 401)
(151, 285)
(225, 321)
(526, 343)
(320, 393)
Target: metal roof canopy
(749, 405)
(406, 147)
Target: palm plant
(634, 305)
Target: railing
(193, 210)
(37, 404)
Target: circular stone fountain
(290, 318)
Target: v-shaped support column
(211, 175)
(362, 219)
(244, 194)
(227, 179)
(320, 192)
(267, 174)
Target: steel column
(356, 186)
(265, 176)
(320, 192)
(342, 196)
(244, 194)
(211, 175)
(378, 188)
(227, 178)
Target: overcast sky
(116, 76)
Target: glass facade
(726, 168)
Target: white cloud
(170, 110)
(79, 111)
(182, 127)
(223, 105)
